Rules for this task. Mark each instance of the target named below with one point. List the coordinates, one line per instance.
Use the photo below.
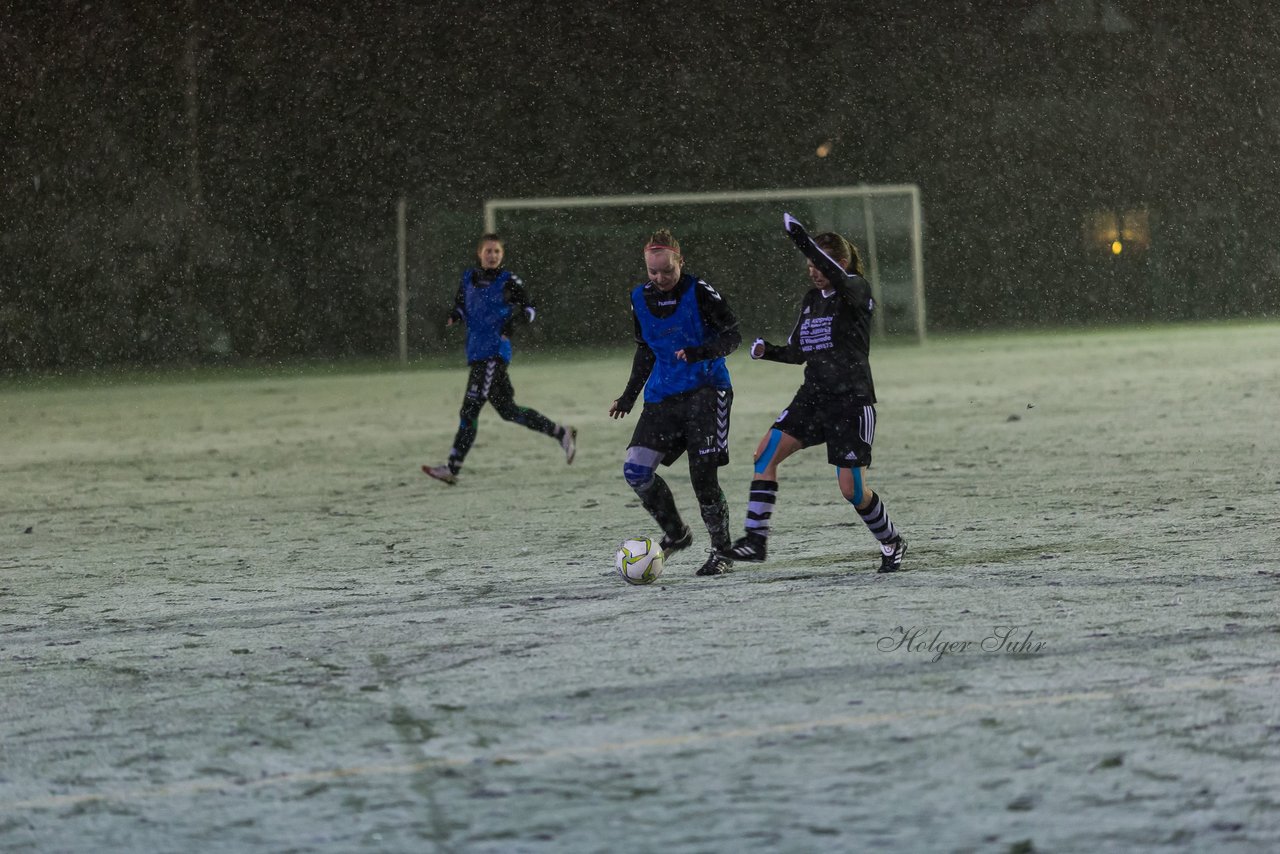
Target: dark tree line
(203, 181)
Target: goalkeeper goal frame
(864, 192)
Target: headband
(660, 246)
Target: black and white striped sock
(764, 495)
(877, 520)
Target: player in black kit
(835, 404)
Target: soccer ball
(639, 561)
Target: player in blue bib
(490, 299)
(684, 329)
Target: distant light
(825, 148)
(1118, 231)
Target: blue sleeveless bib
(487, 311)
(666, 335)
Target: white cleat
(569, 441)
(440, 473)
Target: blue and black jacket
(490, 301)
(693, 317)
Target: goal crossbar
(863, 191)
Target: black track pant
(489, 382)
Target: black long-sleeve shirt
(832, 335)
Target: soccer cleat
(671, 546)
(440, 473)
(751, 548)
(569, 441)
(892, 561)
(717, 564)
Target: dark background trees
(209, 181)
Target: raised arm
(828, 266)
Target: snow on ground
(234, 616)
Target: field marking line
(194, 787)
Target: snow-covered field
(234, 616)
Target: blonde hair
(663, 239)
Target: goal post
(883, 220)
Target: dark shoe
(892, 562)
(671, 546)
(717, 564)
(440, 473)
(751, 549)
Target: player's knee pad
(765, 458)
(639, 477)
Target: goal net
(582, 254)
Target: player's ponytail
(840, 249)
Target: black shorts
(696, 421)
(488, 380)
(847, 426)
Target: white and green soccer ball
(639, 561)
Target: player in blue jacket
(489, 299)
(683, 330)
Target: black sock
(661, 504)
(716, 518)
(468, 427)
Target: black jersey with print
(832, 338)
